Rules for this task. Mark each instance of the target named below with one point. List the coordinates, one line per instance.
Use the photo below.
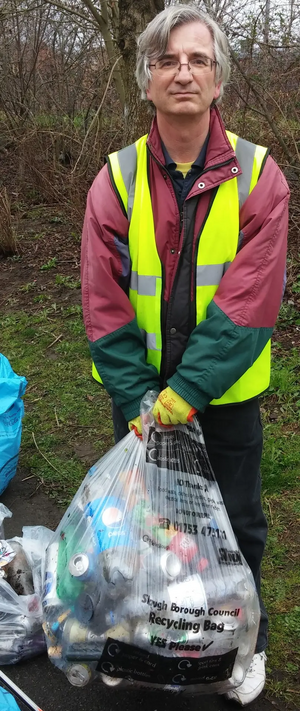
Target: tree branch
(70, 11)
(95, 118)
(105, 31)
(269, 119)
(97, 16)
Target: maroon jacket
(247, 300)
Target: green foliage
(52, 262)
(39, 235)
(67, 281)
(56, 219)
(281, 462)
(296, 287)
(76, 236)
(281, 489)
(29, 286)
(41, 298)
(288, 315)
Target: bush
(8, 243)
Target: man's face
(185, 94)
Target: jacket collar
(220, 156)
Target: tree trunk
(134, 15)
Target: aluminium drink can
(74, 631)
(78, 674)
(170, 565)
(80, 566)
(119, 560)
(110, 680)
(87, 603)
(189, 593)
(184, 546)
(106, 518)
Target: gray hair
(153, 42)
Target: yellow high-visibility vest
(128, 170)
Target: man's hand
(171, 409)
(136, 425)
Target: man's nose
(183, 73)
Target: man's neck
(183, 139)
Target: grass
(281, 490)
(65, 409)
(67, 427)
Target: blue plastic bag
(7, 701)
(12, 388)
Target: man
(183, 260)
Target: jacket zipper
(164, 316)
(166, 342)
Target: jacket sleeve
(241, 317)
(115, 340)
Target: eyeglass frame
(187, 64)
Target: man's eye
(166, 63)
(199, 62)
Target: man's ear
(217, 90)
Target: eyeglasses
(196, 65)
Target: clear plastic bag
(21, 633)
(144, 581)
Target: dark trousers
(233, 438)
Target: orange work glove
(171, 409)
(136, 425)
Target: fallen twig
(57, 422)
(43, 455)
(6, 299)
(270, 511)
(36, 488)
(55, 341)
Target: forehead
(191, 37)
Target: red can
(184, 546)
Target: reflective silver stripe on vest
(210, 274)
(127, 161)
(144, 285)
(245, 152)
(150, 340)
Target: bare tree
(119, 23)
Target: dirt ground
(44, 234)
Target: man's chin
(186, 109)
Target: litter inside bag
(144, 581)
(21, 633)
